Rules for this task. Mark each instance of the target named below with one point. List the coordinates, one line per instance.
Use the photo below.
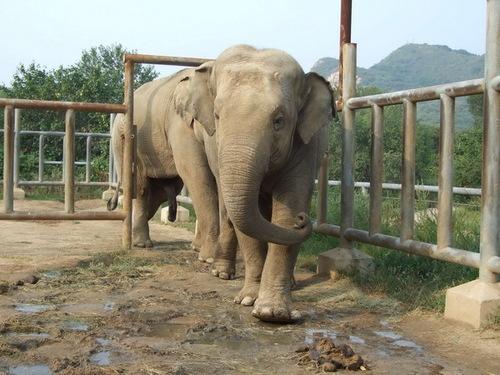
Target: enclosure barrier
(11, 163)
(488, 260)
(10, 144)
(42, 162)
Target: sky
(55, 32)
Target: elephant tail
(118, 160)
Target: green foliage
(427, 139)
(418, 65)
(96, 77)
(417, 281)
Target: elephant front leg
(224, 265)
(274, 303)
(254, 252)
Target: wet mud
(161, 312)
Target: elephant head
(260, 106)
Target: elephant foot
(195, 246)
(273, 307)
(207, 252)
(144, 244)
(248, 294)
(223, 269)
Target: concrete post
(478, 301)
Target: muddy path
(102, 311)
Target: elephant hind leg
(142, 214)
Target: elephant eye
(278, 123)
(216, 115)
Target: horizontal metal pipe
(494, 264)
(59, 215)
(495, 83)
(164, 60)
(328, 229)
(59, 162)
(429, 188)
(61, 134)
(449, 254)
(63, 106)
(61, 183)
(463, 88)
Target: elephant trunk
(241, 174)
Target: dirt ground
(97, 310)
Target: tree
(97, 77)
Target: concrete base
(344, 260)
(19, 193)
(107, 194)
(475, 303)
(182, 214)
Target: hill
(417, 65)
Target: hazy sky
(54, 32)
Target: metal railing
(488, 260)
(42, 135)
(129, 149)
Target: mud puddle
(160, 312)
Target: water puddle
(74, 325)
(28, 308)
(30, 370)
(312, 334)
(108, 306)
(398, 340)
(407, 344)
(357, 340)
(101, 358)
(388, 335)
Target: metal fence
(88, 137)
(488, 260)
(129, 152)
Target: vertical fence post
(323, 190)
(41, 157)
(376, 169)
(8, 159)
(408, 174)
(87, 158)
(445, 181)
(111, 169)
(69, 162)
(128, 154)
(17, 145)
(490, 203)
(347, 184)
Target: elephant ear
(193, 99)
(318, 109)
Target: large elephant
(245, 133)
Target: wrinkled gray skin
(245, 133)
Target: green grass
(418, 282)
(56, 193)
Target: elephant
(245, 132)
